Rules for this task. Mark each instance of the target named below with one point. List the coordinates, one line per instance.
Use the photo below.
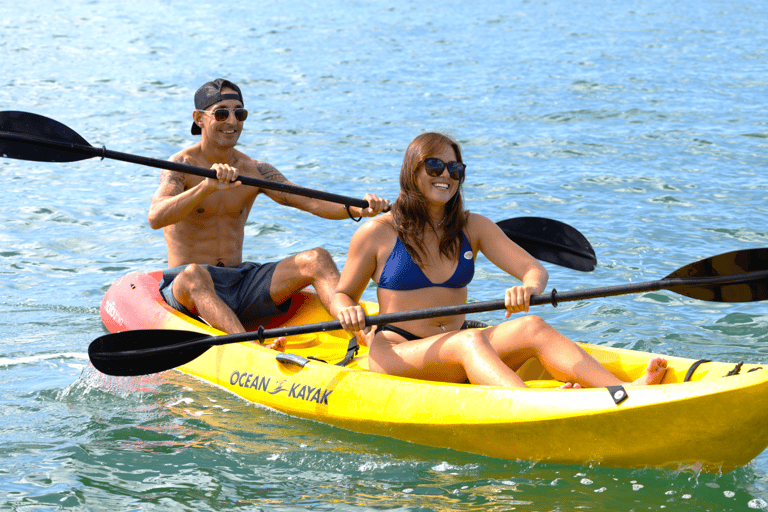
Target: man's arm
(172, 203)
(324, 209)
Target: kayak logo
(111, 310)
(295, 390)
(309, 393)
(249, 380)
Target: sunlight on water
(640, 124)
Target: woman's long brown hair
(410, 211)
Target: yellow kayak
(707, 416)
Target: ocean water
(643, 124)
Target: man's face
(224, 133)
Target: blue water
(643, 124)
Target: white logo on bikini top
(468, 255)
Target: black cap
(210, 93)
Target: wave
(14, 361)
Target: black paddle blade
(551, 241)
(24, 135)
(733, 264)
(130, 353)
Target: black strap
(693, 368)
(352, 349)
(346, 207)
(735, 370)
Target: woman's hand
(352, 319)
(518, 299)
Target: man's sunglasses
(222, 114)
(435, 166)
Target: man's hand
(226, 177)
(376, 205)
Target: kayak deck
(714, 422)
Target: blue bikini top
(400, 272)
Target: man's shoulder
(239, 155)
(188, 155)
(242, 160)
(257, 168)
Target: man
(203, 221)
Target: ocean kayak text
(294, 390)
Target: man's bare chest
(224, 203)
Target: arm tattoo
(172, 182)
(269, 173)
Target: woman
(422, 254)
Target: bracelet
(346, 207)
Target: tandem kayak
(706, 416)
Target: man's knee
(193, 277)
(316, 261)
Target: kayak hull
(712, 423)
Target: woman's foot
(654, 373)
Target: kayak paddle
(551, 241)
(27, 136)
(739, 276)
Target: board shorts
(244, 288)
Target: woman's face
(438, 190)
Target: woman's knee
(522, 335)
(542, 337)
(532, 325)
(470, 341)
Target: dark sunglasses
(222, 114)
(435, 166)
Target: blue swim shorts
(244, 288)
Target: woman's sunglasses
(435, 166)
(222, 114)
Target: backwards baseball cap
(210, 93)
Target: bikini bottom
(409, 336)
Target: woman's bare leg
(518, 340)
(451, 357)
(488, 357)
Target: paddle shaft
(103, 152)
(739, 276)
(553, 298)
(33, 137)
